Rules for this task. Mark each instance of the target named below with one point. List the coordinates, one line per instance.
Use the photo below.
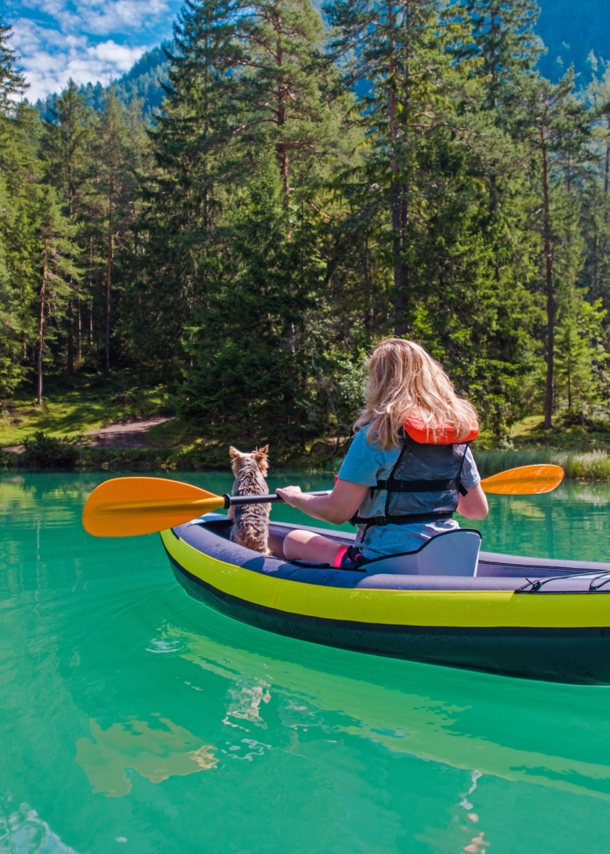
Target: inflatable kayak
(448, 603)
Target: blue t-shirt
(366, 464)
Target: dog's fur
(250, 521)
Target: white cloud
(101, 17)
(86, 40)
(50, 59)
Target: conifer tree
(66, 144)
(280, 92)
(56, 253)
(596, 192)
(503, 40)
(398, 59)
(15, 153)
(12, 82)
(185, 192)
(249, 366)
(580, 355)
(112, 187)
(558, 127)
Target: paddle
(128, 506)
(525, 480)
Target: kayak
(448, 603)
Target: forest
(306, 188)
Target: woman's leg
(303, 545)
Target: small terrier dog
(250, 521)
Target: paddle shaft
(238, 500)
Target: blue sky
(88, 40)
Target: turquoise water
(135, 719)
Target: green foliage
(249, 246)
(48, 452)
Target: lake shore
(115, 427)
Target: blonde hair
(403, 377)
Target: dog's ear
(236, 457)
(261, 455)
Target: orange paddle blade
(526, 480)
(128, 506)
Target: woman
(409, 467)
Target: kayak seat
(455, 553)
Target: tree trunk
(70, 339)
(550, 302)
(607, 163)
(43, 294)
(369, 311)
(398, 202)
(79, 318)
(281, 148)
(108, 281)
(91, 291)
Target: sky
(86, 40)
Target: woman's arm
(338, 507)
(473, 505)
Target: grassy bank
(592, 465)
(72, 405)
(75, 405)
(588, 465)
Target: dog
(250, 521)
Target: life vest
(424, 484)
(435, 433)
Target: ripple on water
(132, 716)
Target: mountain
(572, 32)
(142, 81)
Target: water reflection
(156, 751)
(22, 831)
(421, 725)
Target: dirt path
(122, 434)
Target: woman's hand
(288, 493)
(337, 508)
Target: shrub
(48, 452)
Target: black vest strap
(417, 485)
(412, 518)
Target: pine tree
(56, 254)
(596, 192)
(19, 171)
(280, 96)
(503, 40)
(66, 144)
(558, 128)
(113, 190)
(580, 355)
(400, 61)
(250, 369)
(186, 190)
(12, 82)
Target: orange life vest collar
(435, 433)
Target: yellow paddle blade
(128, 506)
(526, 480)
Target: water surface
(135, 719)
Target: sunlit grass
(87, 403)
(589, 465)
